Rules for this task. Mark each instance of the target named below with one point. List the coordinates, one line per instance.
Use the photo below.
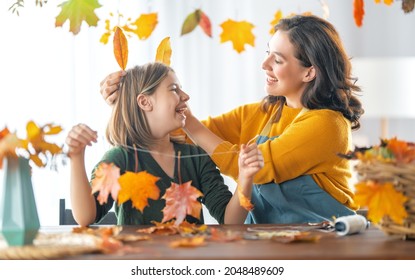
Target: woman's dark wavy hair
(318, 44)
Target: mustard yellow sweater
(308, 144)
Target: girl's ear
(310, 74)
(144, 102)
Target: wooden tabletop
(372, 244)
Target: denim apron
(299, 200)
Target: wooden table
(372, 244)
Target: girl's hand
(109, 86)
(78, 138)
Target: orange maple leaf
(145, 25)
(8, 144)
(358, 11)
(181, 200)
(277, 18)
(106, 182)
(120, 48)
(77, 11)
(139, 187)
(239, 33)
(196, 241)
(382, 200)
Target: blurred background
(48, 74)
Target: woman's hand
(78, 138)
(109, 86)
(250, 161)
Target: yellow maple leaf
(77, 11)
(145, 25)
(139, 187)
(8, 144)
(277, 18)
(382, 200)
(106, 182)
(181, 200)
(239, 33)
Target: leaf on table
(196, 241)
(224, 236)
(106, 182)
(77, 11)
(300, 237)
(145, 25)
(188, 228)
(239, 33)
(139, 187)
(120, 48)
(181, 200)
(168, 228)
(244, 201)
(164, 51)
(382, 199)
(358, 12)
(277, 18)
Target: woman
(301, 126)
(151, 106)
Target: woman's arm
(83, 202)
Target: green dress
(199, 169)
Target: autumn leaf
(239, 33)
(145, 25)
(205, 24)
(8, 144)
(120, 48)
(188, 242)
(164, 51)
(358, 12)
(106, 182)
(401, 150)
(36, 141)
(408, 5)
(77, 11)
(139, 187)
(181, 200)
(194, 19)
(244, 201)
(382, 200)
(277, 18)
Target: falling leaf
(106, 182)
(139, 187)
(164, 51)
(205, 24)
(145, 25)
(181, 200)
(244, 201)
(277, 18)
(189, 242)
(77, 11)
(190, 23)
(408, 5)
(382, 200)
(358, 12)
(238, 32)
(120, 48)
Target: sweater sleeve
(216, 194)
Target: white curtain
(49, 75)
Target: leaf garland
(358, 12)
(120, 48)
(239, 33)
(197, 18)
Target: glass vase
(19, 220)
